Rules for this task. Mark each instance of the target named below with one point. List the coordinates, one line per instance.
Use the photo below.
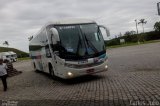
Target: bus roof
(12, 53)
(4, 53)
(66, 22)
(70, 21)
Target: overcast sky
(20, 19)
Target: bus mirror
(55, 34)
(106, 30)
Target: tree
(128, 33)
(6, 43)
(30, 38)
(157, 26)
(142, 21)
(128, 36)
(133, 32)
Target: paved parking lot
(133, 79)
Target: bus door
(44, 58)
(51, 57)
(54, 53)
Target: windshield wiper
(79, 43)
(90, 44)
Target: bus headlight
(70, 74)
(106, 67)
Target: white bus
(6, 56)
(69, 48)
(13, 56)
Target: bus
(5, 56)
(13, 56)
(69, 48)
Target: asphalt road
(133, 78)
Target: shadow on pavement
(77, 80)
(81, 79)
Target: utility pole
(137, 32)
(158, 8)
(136, 26)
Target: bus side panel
(36, 57)
(45, 59)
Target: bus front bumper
(69, 73)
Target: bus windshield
(80, 41)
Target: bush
(153, 35)
(112, 42)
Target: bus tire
(51, 71)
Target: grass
(132, 44)
(25, 58)
(19, 52)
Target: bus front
(82, 48)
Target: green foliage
(157, 26)
(112, 42)
(152, 36)
(6, 43)
(132, 44)
(134, 38)
(130, 33)
(142, 21)
(25, 58)
(19, 53)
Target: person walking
(3, 74)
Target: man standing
(3, 74)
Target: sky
(20, 19)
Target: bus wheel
(51, 71)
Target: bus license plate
(90, 70)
